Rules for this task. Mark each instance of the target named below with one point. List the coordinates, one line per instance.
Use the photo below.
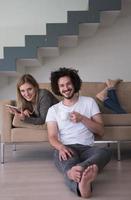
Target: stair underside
(109, 17)
(59, 35)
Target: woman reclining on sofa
(33, 103)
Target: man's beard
(68, 97)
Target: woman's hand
(23, 114)
(13, 110)
(27, 113)
(19, 114)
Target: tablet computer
(14, 108)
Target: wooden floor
(29, 174)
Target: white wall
(104, 55)
(25, 17)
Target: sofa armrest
(5, 121)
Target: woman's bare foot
(75, 173)
(102, 95)
(113, 83)
(88, 176)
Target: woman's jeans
(83, 156)
(112, 102)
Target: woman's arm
(45, 101)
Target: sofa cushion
(28, 135)
(17, 123)
(117, 119)
(117, 133)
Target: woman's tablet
(13, 107)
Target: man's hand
(75, 117)
(65, 153)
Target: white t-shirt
(70, 132)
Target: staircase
(57, 35)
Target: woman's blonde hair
(21, 101)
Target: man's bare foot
(88, 176)
(113, 83)
(102, 95)
(75, 173)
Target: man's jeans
(83, 156)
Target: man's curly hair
(61, 72)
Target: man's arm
(95, 124)
(53, 135)
(64, 152)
